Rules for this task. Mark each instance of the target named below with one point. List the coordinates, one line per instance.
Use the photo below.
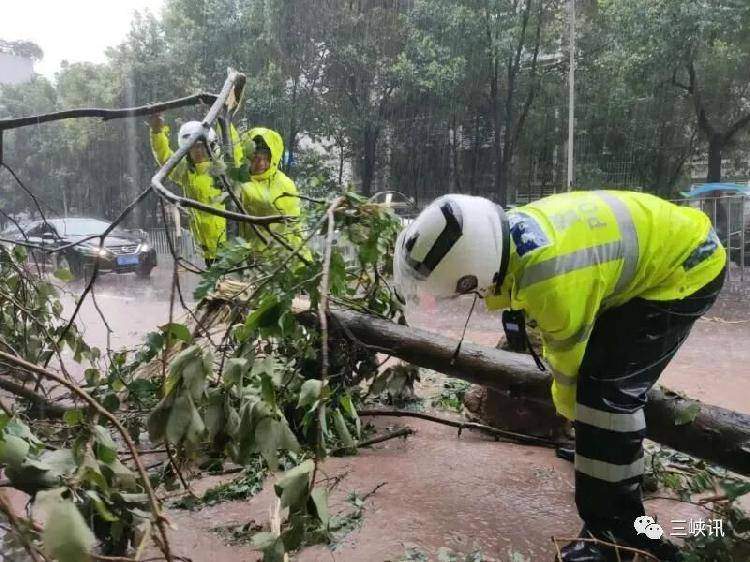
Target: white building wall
(15, 70)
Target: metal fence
(730, 216)
(184, 244)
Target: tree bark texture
(715, 434)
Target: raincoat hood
(275, 144)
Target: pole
(571, 89)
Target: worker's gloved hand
(218, 168)
(156, 122)
(239, 174)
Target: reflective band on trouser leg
(608, 471)
(635, 421)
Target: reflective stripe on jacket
(208, 230)
(576, 254)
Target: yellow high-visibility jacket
(271, 193)
(208, 230)
(574, 255)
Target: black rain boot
(664, 550)
(589, 551)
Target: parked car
(123, 251)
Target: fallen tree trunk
(715, 434)
(41, 405)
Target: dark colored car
(123, 251)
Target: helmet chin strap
(500, 276)
(463, 334)
(505, 257)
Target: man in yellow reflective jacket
(614, 282)
(268, 191)
(192, 174)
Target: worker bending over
(614, 282)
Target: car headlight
(144, 247)
(93, 251)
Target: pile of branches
(248, 381)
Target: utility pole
(571, 89)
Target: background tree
(703, 50)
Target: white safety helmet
(457, 245)
(191, 127)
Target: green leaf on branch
(269, 435)
(194, 378)
(73, 417)
(177, 332)
(684, 416)
(342, 431)
(66, 537)
(105, 447)
(293, 486)
(267, 314)
(180, 418)
(319, 497)
(158, 419)
(64, 274)
(13, 450)
(271, 546)
(101, 507)
(309, 392)
(234, 369)
(351, 411)
(111, 402)
(734, 490)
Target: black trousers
(629, 347)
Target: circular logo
(466, 284)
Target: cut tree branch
(106, 114)
(461, 425)
(43, 405)
(715, 434)
(234, 81)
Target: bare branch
(497, 433)
(617, 547)
(39, 401)
(403, 432)
(106, 114)
(157, 185)
(738, 125)
(323, 315)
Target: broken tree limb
(106, 114)
(40, 403)
(230, 93)
(461, 425)
(715, 434)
